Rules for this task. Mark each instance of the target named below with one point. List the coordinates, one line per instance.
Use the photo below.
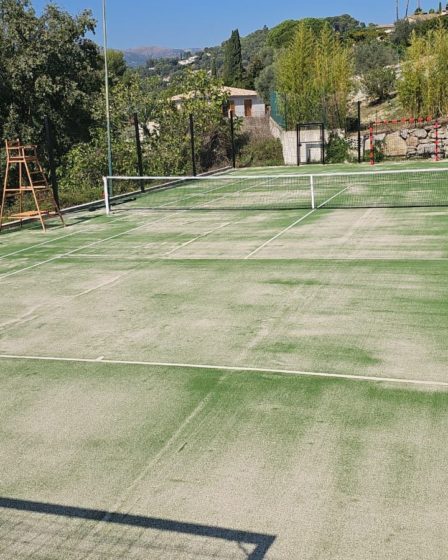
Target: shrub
(261, 152)
(337, 149)
(379, 83)
(378, 151)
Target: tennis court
(263, 380)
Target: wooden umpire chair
(26, 186)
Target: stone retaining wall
(412, 143)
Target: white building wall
(258, 107)
(311, 147)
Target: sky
(202, 23)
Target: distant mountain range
(140, 55)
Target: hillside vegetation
(313, 68)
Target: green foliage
(85, 163)
(265, 83)
(255, 45)
(314, 77)
(259, 152)
(374, 54)
(116, 65)
(401, 37)
(378, 152)
(345, 24)
(233, 62)
(283, 34)
(423, 87)
(379, 83)
(165, 133)
(253, 71)
(364, 34)
(48, 67)
(214, 68)
(337, 149)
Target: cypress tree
(214, 68)
(233, 61)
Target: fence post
(322, 140)
(436, 127)
(359, 132)
(138, 146)
(298, 143)
(50, 147)
(232, 138)
(372, 145)
(193, 150)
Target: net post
(193, 150)
(106, 194)
(372, 145)
(232, 138)
(138, 146)
(313, 198)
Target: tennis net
(398, 188)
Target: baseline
(236, 369)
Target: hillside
(140, 55)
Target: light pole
(106, 82)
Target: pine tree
(233, 61)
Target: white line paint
(293, 225)
(331, 198)
(213, 230)
(102, 285)
(49, 241)
(236, 369)
(73, 251)
(196, 239)
(278, 235)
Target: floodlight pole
(106, 82)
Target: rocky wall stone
(395, 145)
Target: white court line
(236, 369)
(196, 239)
(102, 285)
(49, 241)
(278, 235)
(31, 247)
(292, 225)
(67, 254)
(215, 229)
(63, 255)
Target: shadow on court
(261, 543)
